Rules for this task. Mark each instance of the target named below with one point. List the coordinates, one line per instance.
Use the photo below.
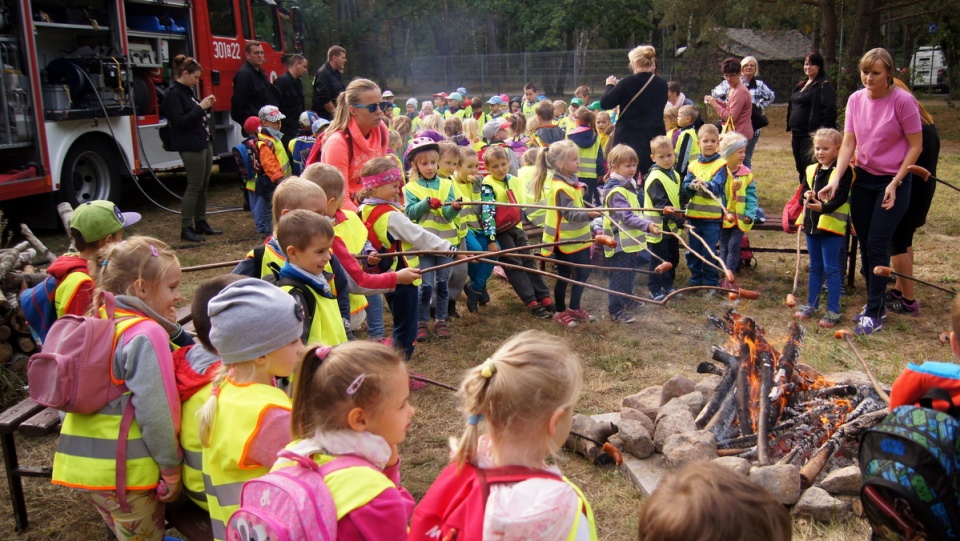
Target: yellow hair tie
(488, 369)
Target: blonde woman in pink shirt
(738, 105)
(882, 124)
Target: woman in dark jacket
(190, 135)
(639, 122)
(813, 105)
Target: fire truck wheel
(90, 172)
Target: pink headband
(387, 177)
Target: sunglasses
(372, 108)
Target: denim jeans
(434, 280)
(479, 273)
(824, 249)
(375, 316)
(702, 274)
(751, 146)
(262, 213)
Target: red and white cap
(270, 113)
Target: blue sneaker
(867, 326)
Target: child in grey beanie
(251, 318)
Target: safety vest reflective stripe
(585, 509)
(622, 232)
(67, 290)
(500, 188)
(354, 235)
(701, 205)
(557, 228)
(190, 443)
(86, 455)
(469, 217)
(433, 220)
(671, 185)
(526, 196)
(588, 159)
(380, 229)
(737, 202)
(240, 409)
(834, 222)
(327, 325)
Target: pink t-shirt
(881, 127)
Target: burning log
(811, 470)
(766, 381)
(723, 388)
(743, 392)
(709, 368)
(723, 420)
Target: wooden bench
(30, 419)
(775, 223)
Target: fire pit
(785, 423)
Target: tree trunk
(490, 24)
(828, 46)
(855, 49)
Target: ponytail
(540, 173)
(244, 372)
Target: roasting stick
(700, 257)
(887, 271)
(603, 240)
(664, 265)
(925, 175)
(606, 447)
(848, 336)
(728, 274)
(792, 296)
(550, 207)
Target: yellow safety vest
(278, 151)
(433, 220)
(693, 149)
(701, 206)
(528, 109)
(585, 509)
(469, 217)
(737, 202)
(555, 224)
(354, 235)
(380, 230)
(588, 159)
(671, 184)
(192, 450)
(537, 217)
(500, 188)
(240, 409)
(627, 244)
(351, 487)
(834, 222)
(86, 456)
(270, 255)
(67, 290)
(327, 326)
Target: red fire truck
(81, 85)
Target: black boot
(452, 309)
(473, 299)
(190, 234)
(204, 228)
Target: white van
(928, 69)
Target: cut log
(66, 215)
(18, 323)
(14, 280)
(26, 258)
(723, 388)
(5, 332)
(9, 258)
(26, 344)
(6, 353)
(35, 242)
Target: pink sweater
(384, 517)
(739, 105)
(336, 152)
(881, 127)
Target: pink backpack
(290, 504)
(73, 372)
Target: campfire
(770, 407)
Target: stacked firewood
(16, 273)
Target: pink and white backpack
(290, 504)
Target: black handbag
(757, 118)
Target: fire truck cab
(82, 86)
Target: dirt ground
(618, 359)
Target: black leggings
(579, 274)
(875, 226)
(802, 144)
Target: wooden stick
(692, 251)
(629, 236)
(880, 270)
(792, 297)
(549, 207)
(66, 214)
(476, 257)
(35, 242)
(925, 175)
(211, 266)
(848, 336)
(726, 272)
(583, 265)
